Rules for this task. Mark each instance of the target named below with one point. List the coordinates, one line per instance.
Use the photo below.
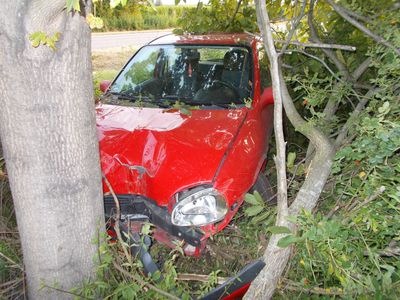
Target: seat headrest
(234, 60)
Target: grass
(11, 268)
(139, 18)
(107, 64)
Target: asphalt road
(108, 40)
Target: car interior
(193, 75)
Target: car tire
(264, 188)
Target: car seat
(236, 70)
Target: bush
(135, 17)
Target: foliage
(41, 38)
(118, 279)
(135, 16)
(351, 246)
(343, 252)
(219, 16)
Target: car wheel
(264, 188)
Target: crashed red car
(183, 132)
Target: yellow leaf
(362, 174)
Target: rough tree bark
(276, 258)
(47, 129)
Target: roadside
(131, 31)
(114, 41)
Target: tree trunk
(47, 129)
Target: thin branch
(362, 28)
(11, 261)
(263, 22)
(295, 23)
(319, 45)
(144, 283)
(318, 59)
(296, 287)
(64, 291)
(315, 38)
(357, 16)
(345, 128)
(369, 199)
(199, 277)
(118, 216)
(234, 15)
(392, 250)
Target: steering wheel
(227, 85)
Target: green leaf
(261, 217)
(258, 197)
(249, 198)
(185, 111)
(41, 38)
(278, 229)
(94, 22)
(36, 38)
(254, 210)
(384, 109)
(73, 5)
(288, 240)
(146, 228)
(290, 159)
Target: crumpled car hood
(156, 152)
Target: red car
(183, 133)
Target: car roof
(209, 39)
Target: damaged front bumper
(139, 208)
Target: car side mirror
(267, 97)
(104, 85)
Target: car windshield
(195, 75)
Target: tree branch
(275, 257)
(345, 129)
(295, 23)
(315, 38)
(117, 219)
(342, 12)
(234, 14)
(318, 59)
(319, 45)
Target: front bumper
(132, 206)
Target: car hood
(156, 152)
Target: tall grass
(11, 268)
(140, 18)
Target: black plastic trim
(159, 216)
(245, 276)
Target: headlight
(200, 208)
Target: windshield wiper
(140, 98)
(182, 99)
(121, 95)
